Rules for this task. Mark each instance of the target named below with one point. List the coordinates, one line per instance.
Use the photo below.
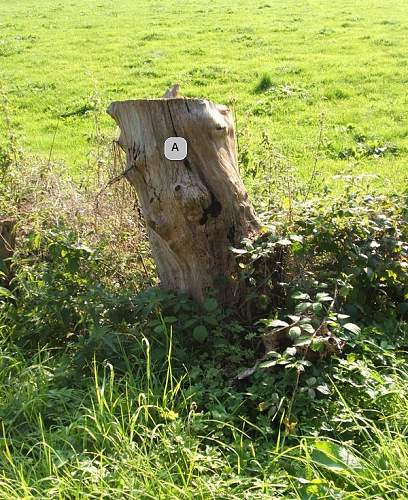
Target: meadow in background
(112, 388)
(285, 66)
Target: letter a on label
(175, 148)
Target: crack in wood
(231, 234)
(171, 119)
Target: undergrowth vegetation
(113, 388)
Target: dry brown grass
(103, 211)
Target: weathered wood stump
(197, 208)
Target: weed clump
(265, 83)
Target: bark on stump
(197, 208)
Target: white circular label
(175, 148)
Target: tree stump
(196, 208)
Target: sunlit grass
(140, 435)
(338, 60)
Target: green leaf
(317, 345)
(311, 393)
(300, 296)
(210, 305)
(323, 297)
(294, 332)
(268, 364)
(334, 457)
(291, 351)
(4, 292)
(294, 318)
(239, 251)
(303, 306)
(190, 322)
(324, 389)
(284, 242)
(369, 272)
(317, 307)
(200, 333)
(273, 354)
(308, 328)
(159, 329)
(170, 319)
(302, 341)
(277, 322)
(351, 327)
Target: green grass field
(337, 63)
(110, 387)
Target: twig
(118, 177)
(53, 142)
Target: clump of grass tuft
(264, 84)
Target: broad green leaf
(170, 319)
(210, 305)
(294, 332)
(317, 307)
(317, 345)
(311, 393)
(273, 354)
(277, 322)
(300, 296)
(323, 297)
(302, 341)
(351, 327)
(294, 318)
(324, 389)
(268, 364)
(307, 327)
(334, 457)
(303, 306)
(239, 251)
(200, 333)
